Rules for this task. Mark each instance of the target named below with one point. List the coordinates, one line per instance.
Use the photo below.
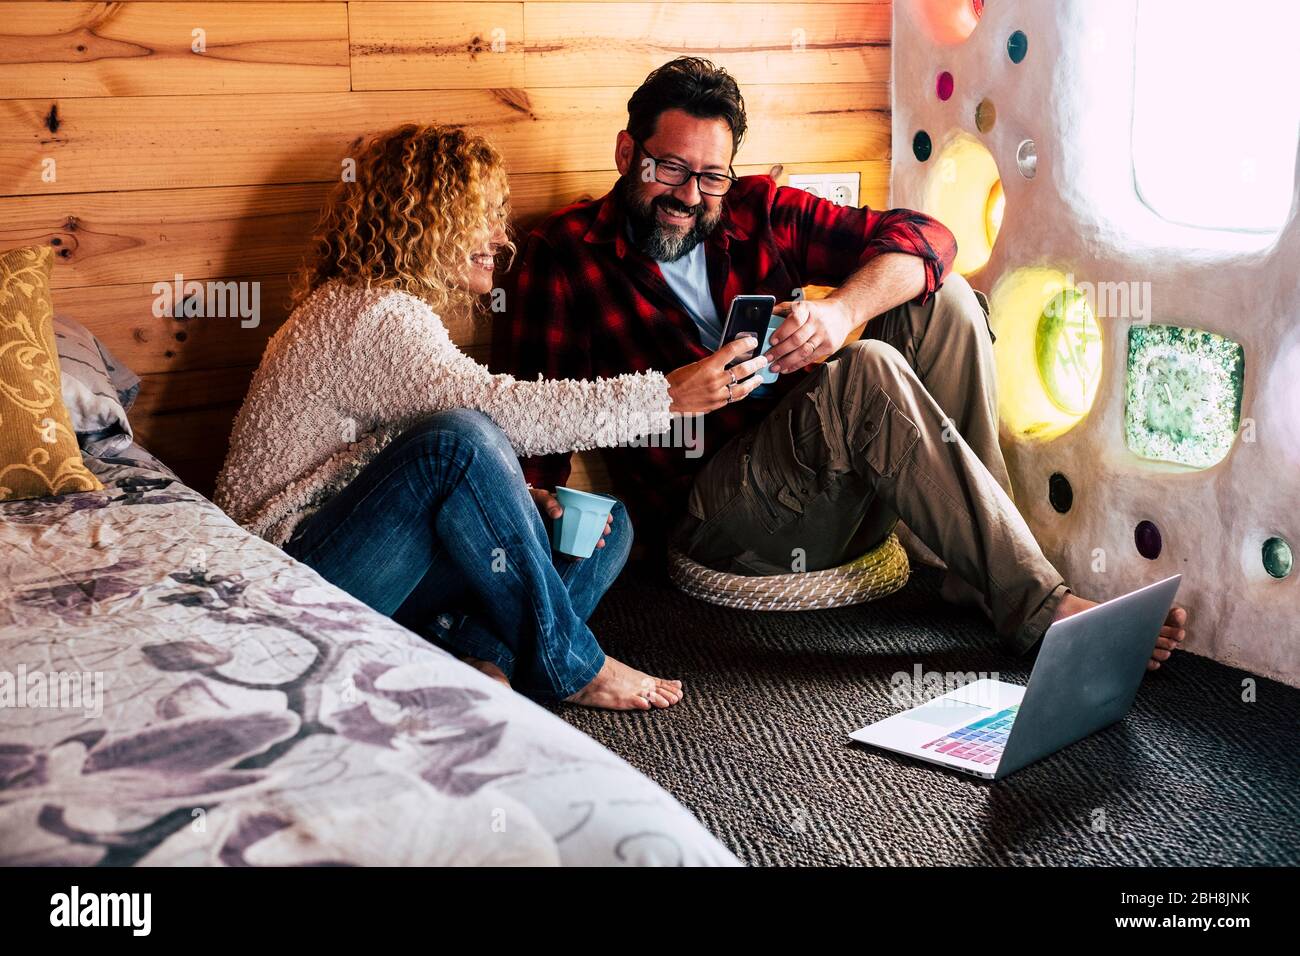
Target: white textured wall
(1073, 96)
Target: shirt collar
(611, 225)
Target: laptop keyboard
(981, 741)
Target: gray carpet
(758, 749)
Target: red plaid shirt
(583, 302)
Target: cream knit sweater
(352, 368)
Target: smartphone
(752, 315)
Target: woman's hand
(703, 386)
(550, 507)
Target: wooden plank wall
(148, 139)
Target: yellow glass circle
(961, 190)
(1049, 352)
(993, 210)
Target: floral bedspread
(174, 690)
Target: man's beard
(652, 237)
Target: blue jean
(439, 532)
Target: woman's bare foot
(1172, 633)
(487, 667)
(619, 687)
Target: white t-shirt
(688, 277)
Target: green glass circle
(1278, 560)
(1067, 351)
(1017, 46)
(921, 145)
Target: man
(812, 470)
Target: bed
(250, 714)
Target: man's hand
(812, 330)
(550, 507)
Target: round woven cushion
(880, 571)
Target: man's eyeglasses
(672, 173)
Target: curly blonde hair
(410, 219)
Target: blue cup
(578, 530)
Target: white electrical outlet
(809, 184)
(839, 188)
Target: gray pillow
(97, 389)
(123, 380)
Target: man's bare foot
(1172, 633)
(487, 667)
(619, 687)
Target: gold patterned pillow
(38, 448)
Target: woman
(374, 450)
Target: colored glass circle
(1278, 560)
(994, 207)
(1017, 46)
(921, 145)
(1044, 344)
(943, 85)
(957, 192)
(986, 115)
(1068, 352)
(946, 22)
(1147, 538)
(1027, 158)
(1059, 492)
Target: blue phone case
(767, 377)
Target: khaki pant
(902, 423)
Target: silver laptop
(1085, 678)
